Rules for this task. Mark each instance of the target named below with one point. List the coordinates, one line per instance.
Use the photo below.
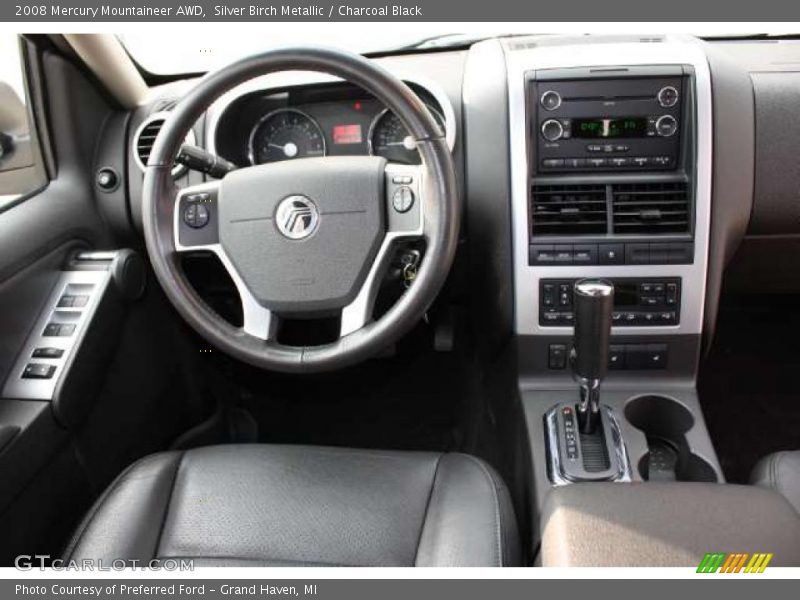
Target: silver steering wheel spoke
(404, 201)
(196, 229)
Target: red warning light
(357, 105)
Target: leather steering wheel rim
(441, 206)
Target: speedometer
(285, 134)
(389, 138)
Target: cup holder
(665, 423)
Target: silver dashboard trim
(673, 51)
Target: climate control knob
(552, 130)
(666, 126)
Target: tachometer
(285, 134)
(389, 138)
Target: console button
(681, 253)
(48, 353)
(585, 254)
(65, 301)
(672, 294)
(563, 254)
(611, 254)
(659, 254)
(620, 162)
(622, 148)
(668, 317)
(597, 162)
(557, 358)
(38, 371)
(551, 318)
(640, 161)
(542, 254)
(551, 163)
(656, 356)
(650, 300)
(575, 163)
(646, 356)
(616, 357)
(548, 295)
(594, 148)
(564, 294)
(637, 254)
(661, 161)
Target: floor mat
(749, 383)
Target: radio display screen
(621, 127)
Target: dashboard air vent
(651, 208)
(147, 138)
(569, 210)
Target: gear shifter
(589, 447)
(593, 301)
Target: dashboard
(631, 118)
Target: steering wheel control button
(297, 217)
(403, 199)
(38, 371)
(668, 96)
(196, 215)
(550, 100)
(403, 179)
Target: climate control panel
(637, 302)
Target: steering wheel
(306, 237)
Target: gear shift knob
(593, 300)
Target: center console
(610, 145)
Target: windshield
(199, 50)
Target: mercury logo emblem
(297, 217)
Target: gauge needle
(289, 149)
(408, 143)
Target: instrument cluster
(319, 120)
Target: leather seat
(294, 506)
(781, 472)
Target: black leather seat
(781, 472)
(295, 505)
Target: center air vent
(145, 139)
(651, 208)
(569, 210)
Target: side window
(21, 169)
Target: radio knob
(552, 130)
(550, 100)
(668, 96)
(666, 126)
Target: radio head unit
(606, 122)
